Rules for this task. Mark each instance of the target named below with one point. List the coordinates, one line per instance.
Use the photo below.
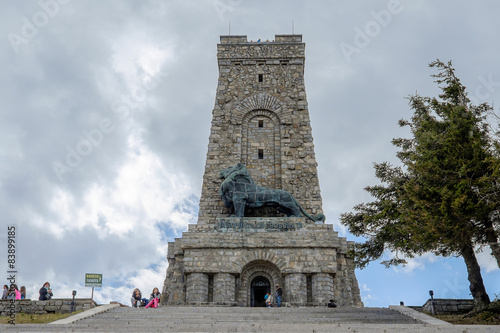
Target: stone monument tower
(260, 123)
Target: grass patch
(488, 316)
(26, 318)
(475, 320)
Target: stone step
(188, 314)
(253, 327)
(237, 319)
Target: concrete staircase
(239, 319)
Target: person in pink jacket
(13, 292)
(154, 299)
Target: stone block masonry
(228, 261)
(449, 306)
(61, 305)
(261, 119)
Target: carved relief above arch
(250, 258)
(262, 101)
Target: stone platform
(238, 259)
(238, 319)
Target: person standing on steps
(279, 295)
(269, 300)
(14, 293)
(5, 291)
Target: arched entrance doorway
(259, 287)
(257, 277)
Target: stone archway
(254, 271)
(258, 289)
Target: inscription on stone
(252, 226)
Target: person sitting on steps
(154, 299)
(136, 298)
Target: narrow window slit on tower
(261, 123)
(309, 288)
(261, 77)
(210, 288)
(261, 154)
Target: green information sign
(93, 280)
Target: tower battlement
(239, 39)
(283, 47)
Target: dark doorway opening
(259, 287)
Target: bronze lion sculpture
(238, 191)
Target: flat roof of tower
(239, 39)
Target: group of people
(279, 294)
(269, 298)
(138, 301)
(13, 293)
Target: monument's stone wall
(449, 306)
(261, 120)
(56, 305)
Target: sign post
(93, 280)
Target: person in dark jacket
(136, 298)
(279, 295)
(45, 292)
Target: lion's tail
(316, 218)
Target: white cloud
(366, 294)
(142, 193)
(413, 264)
(124, 212)
(138, 57)
(487, 261)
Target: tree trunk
(481, 298)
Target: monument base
(237, 260)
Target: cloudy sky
(105, 117)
